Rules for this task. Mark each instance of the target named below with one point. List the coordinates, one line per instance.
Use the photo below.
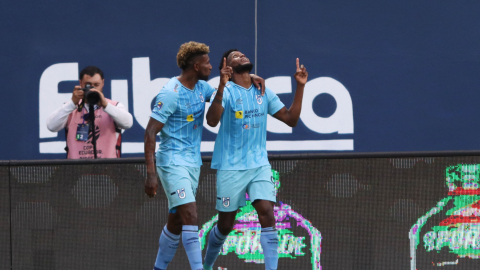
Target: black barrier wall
(96, 216)
(4, 218)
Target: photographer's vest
(108, 139)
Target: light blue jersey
(242, 139)
(182, 111)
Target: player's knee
(177, 223)
(267, 219)
(265, 215)
(225, 228)
(190, 218)
(188, 214)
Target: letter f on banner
(49, 98)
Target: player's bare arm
(216, 109)
(290, 116)
(151, 183)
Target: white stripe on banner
(135, 148)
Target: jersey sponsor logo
(201, 98)
(255, 125)
(181, 193)
(254, 113)
(190, 118)
(239, 114)
(246, 126)
(226, 202)
(259, 99)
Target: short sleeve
(165, 105)
(225, 98)
(274, 103)
(208, 91)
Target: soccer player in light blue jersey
(240, 154)
(178, 115)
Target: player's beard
(243, 68)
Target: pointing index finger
(224, 62)
(298, 65)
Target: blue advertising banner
(383, 75)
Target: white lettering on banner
(341, 120)
(120, 91)
(145, 90)
(49, 98)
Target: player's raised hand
(225, 73)
(151, 185)
(301, 75)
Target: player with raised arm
(240, 154)
(178, 114)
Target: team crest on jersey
(259, 99)
(190, 118)
(226, 202)
(239, 114)
(201, 97)
(181, 193)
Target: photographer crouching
(88, 112)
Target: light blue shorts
(180, 184)
(232, 187)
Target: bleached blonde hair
(188, 51)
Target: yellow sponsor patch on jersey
(239, 114)
(190, 118)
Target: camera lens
(92, 97)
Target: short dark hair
(91, 71)
(225, 55)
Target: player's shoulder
(229, 87)
(268, 91)
(171, 88)
(269, 94)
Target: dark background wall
(410, 68)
